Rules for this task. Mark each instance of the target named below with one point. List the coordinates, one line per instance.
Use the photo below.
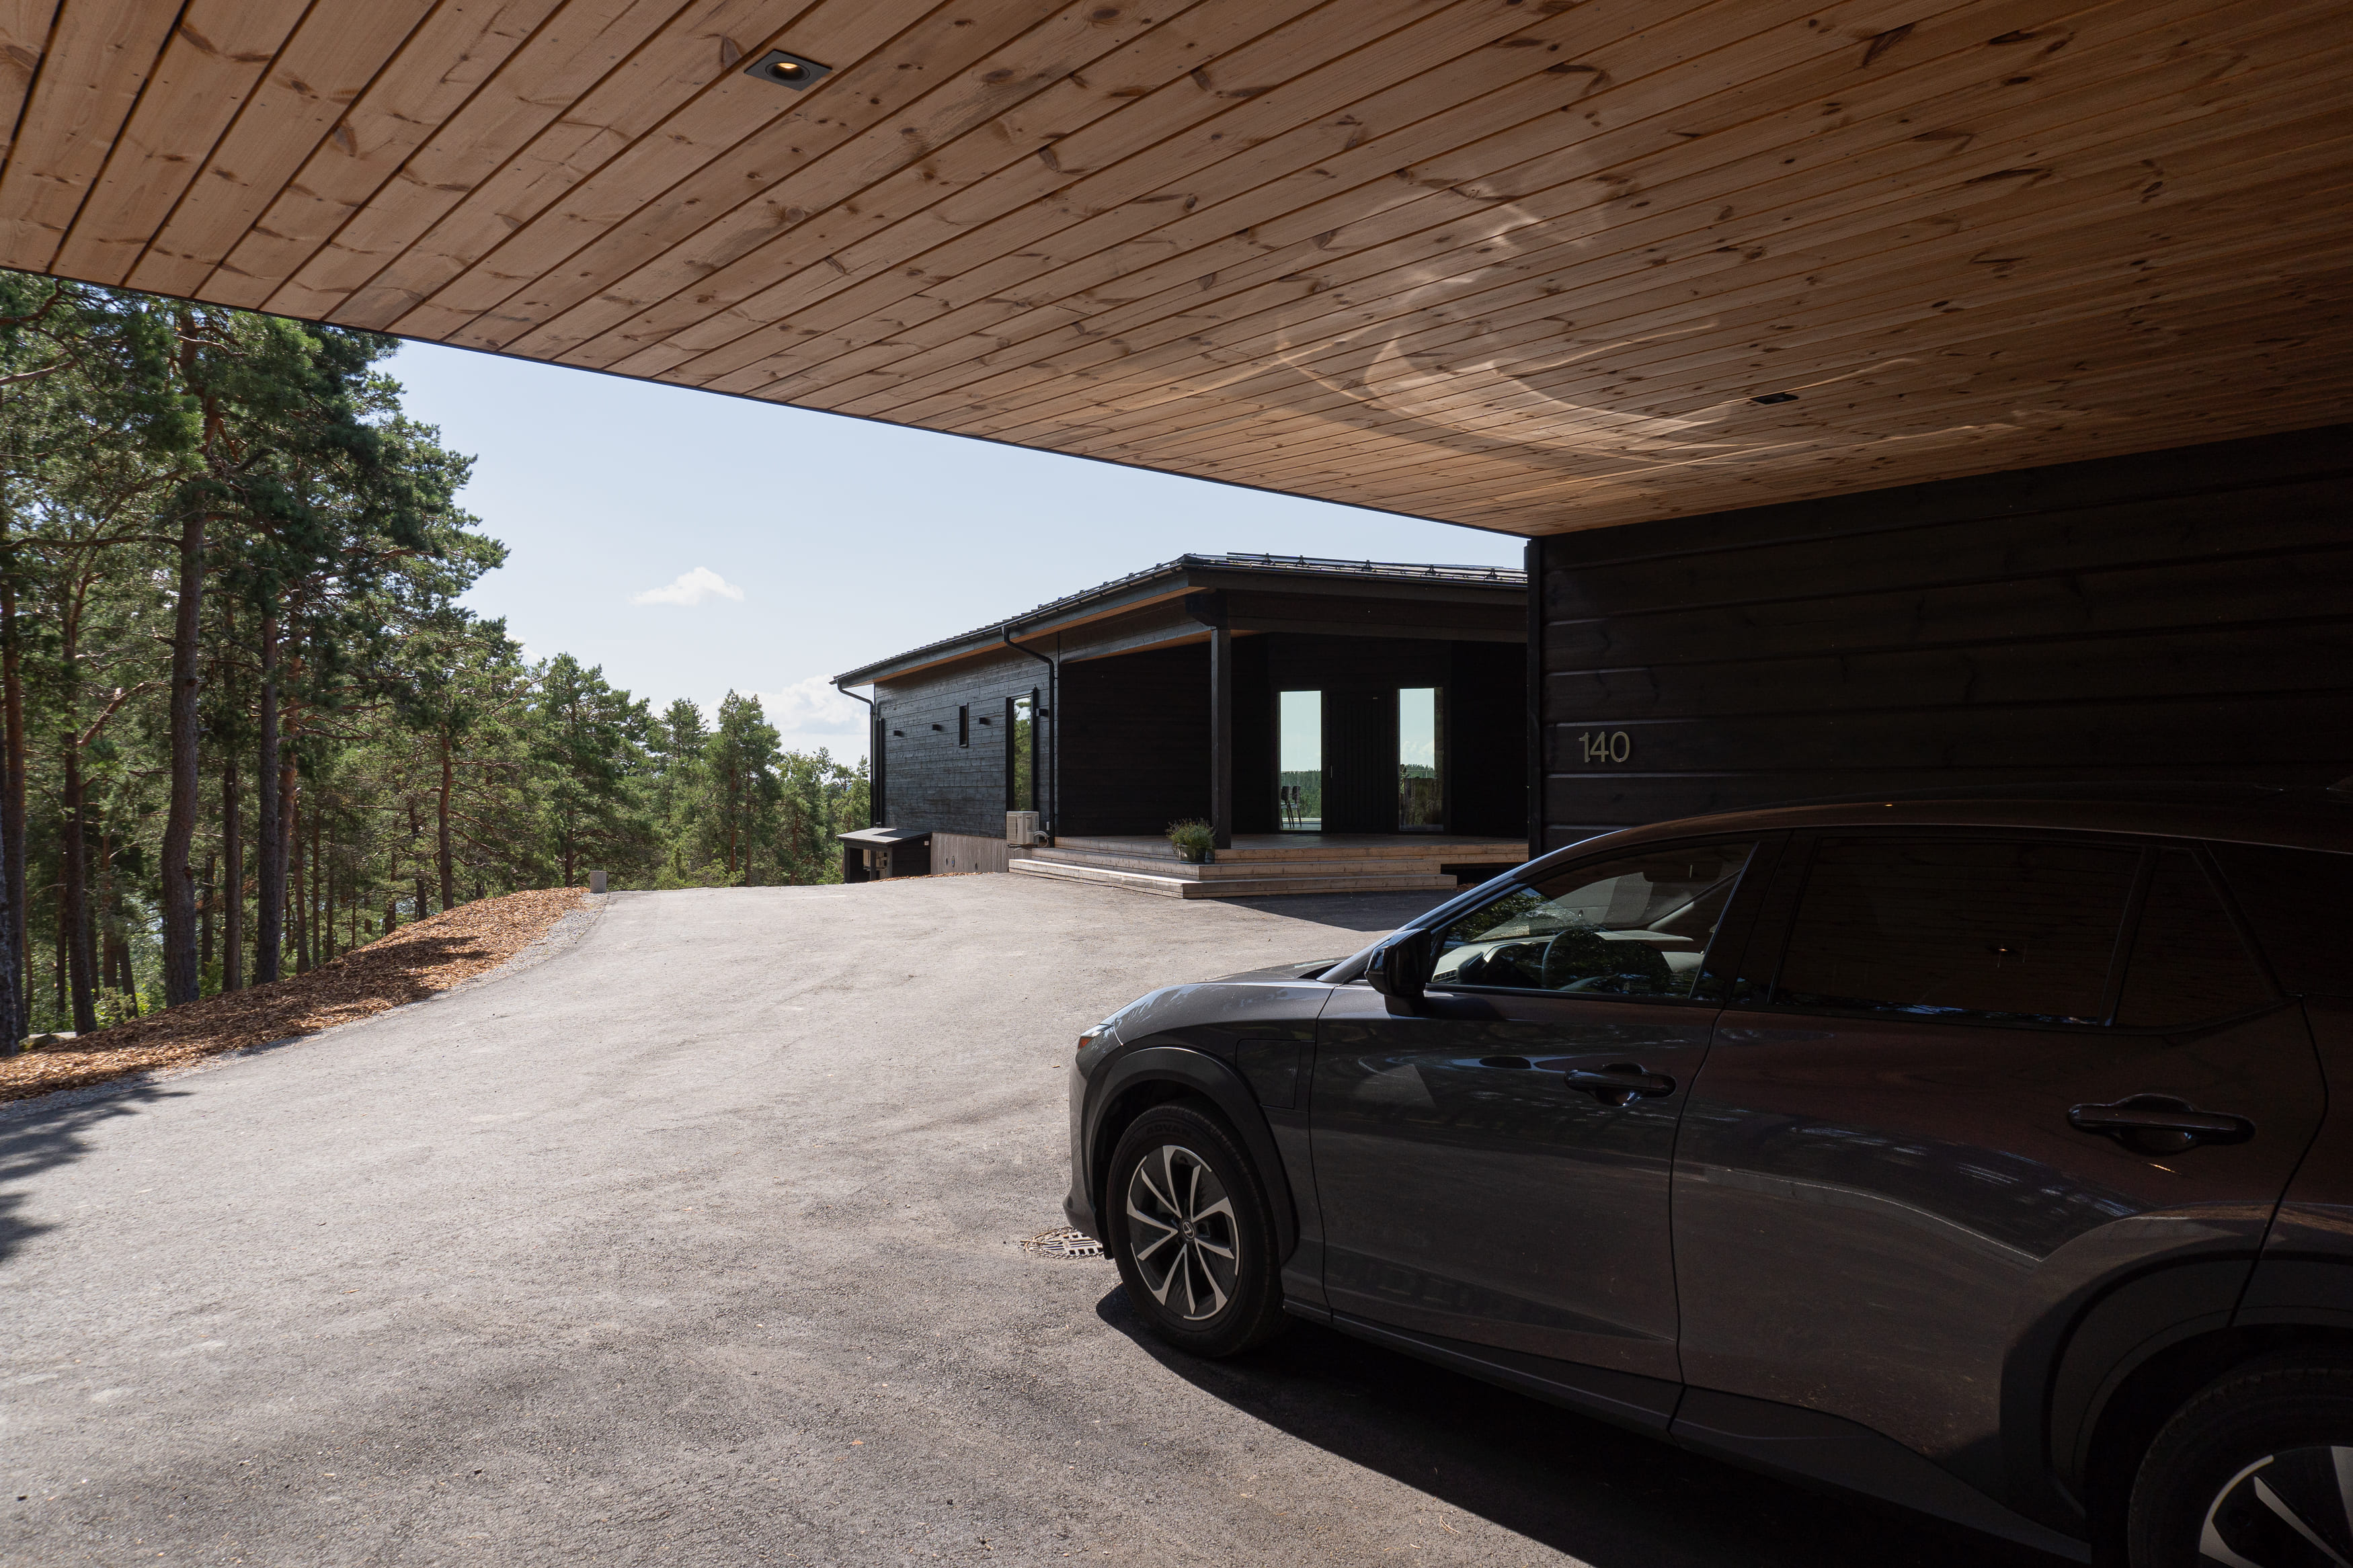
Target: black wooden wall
(2178, 615)
(1487, 738)
(1136, 741)
(930, 783)
(1135, 732)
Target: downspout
(874, 758)
(1053, 714)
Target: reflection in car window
(2188, 963)
(2004, 933)
(2300, 902)
(1637, 926)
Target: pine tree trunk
(298, 900)
(104, 917)
(19, 955)
(57, 934)
(269, 832)
(180, 966)
(441, 830)
(322, 895)
(208, 898)
(73, 902)
(232, 878)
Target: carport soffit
(1526, 266)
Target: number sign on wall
(1605, 746)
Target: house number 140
(1612, 747)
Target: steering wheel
(1581, 954)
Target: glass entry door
(1299, 767)
(1361, 760)
(1420, 760)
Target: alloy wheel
(1182, 1237)
(2289, 1510)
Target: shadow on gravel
(32, 1145)
(1607, 1497)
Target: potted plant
(1196, 841)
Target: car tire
(2220, 1483)
(1188, 1221)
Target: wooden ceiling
(1523, 264)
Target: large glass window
(1637, 926)
(1421, 751)
(1020, 754)
(2000, 931)
(1299, 786)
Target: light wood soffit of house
(1532, 265)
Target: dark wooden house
(1331, 719)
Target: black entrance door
(1360, 762)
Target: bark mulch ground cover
(409, 965)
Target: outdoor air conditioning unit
(1021, 827)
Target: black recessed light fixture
(791, 70)
(1772, 397)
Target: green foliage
(589, 742)
(1193, 837)
(428, 762)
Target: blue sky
(691, 544)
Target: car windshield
(1635, 926)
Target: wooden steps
(1262, 864)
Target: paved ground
(689, 1246)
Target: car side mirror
(1399, 967)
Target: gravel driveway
(691, 1245)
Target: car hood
(1277, 974)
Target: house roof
(1195, 573)
(1531, 268)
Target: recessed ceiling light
(792, 71)
(1776, 398)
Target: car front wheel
(2255, 1472)
(1189, 1224)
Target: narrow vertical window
(1299, 780)
(1421, 761)
(1020, 753)
(964, 725)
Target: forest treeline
(245, 724)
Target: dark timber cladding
(1156, 699)
(2182, 615)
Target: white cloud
(690, 589)
(812, 707)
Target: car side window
(2001, 932)
(2188, 965)
(2300, 902)
(1637, 925)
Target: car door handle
(2159, 1123)
(1620, 1083)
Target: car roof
(2287, 816)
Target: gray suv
(1973, 1152)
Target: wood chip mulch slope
(409, 965)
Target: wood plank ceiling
(1524, 264)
